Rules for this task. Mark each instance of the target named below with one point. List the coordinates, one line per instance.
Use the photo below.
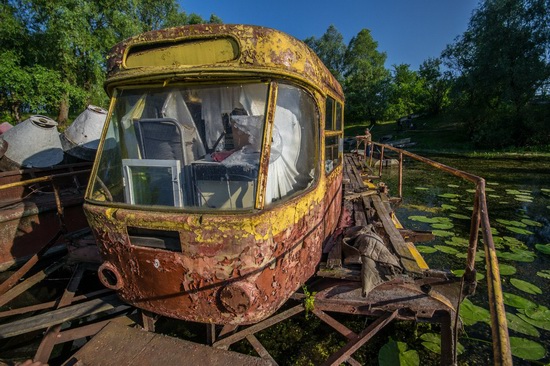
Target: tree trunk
(63, 110)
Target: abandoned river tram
(220, 188)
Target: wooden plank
(121, 345)
(399, 245)
(48, 342)
(59, 316)
(17, 290)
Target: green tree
(500, 64)
(435, 86)
(406, 92)
(331, 50)
(64, 43)
(367, 81)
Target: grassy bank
(442, 136)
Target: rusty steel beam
(339, 327)
(260, 349)
(353, 345)
(226, 342)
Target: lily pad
(424, 219)
(543, 248)
(446, 249)
(518, 256)
(493, 183)
(521, 326)
(517, 301)
(459, 216)
(396, 354)
(453, 186)
(511, 223)
(545, 273)
(457, 241)
(443, 233)
(513, 191)
(425, 249)
(421, 188)
(432, 342)
(525, 286)
(448, 207)
(519, 230)
(449, 195)
(506, 269)
(531, 222)
(527, 349)
(443, 226)
(471, 314)
(523, 199)
(460, 273)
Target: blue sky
(409, 31)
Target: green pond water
(518, 197)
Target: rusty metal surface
(232, 269)
(260, 50)
(29, 213)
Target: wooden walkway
(121, 345)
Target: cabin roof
(256, 49)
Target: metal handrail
(480, 219)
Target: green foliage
(501, 68)
(309, 301)
(54, 52)
(396, 354)
(331, 50)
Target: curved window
(293, 160)
(200, 147)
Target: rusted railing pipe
(46, 178)
(480, 218)
(400, 183)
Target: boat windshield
(200, 147)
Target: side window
(294, 155)
(333, 134)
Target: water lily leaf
(494, 231)
(453, 186)
(541, 324)
(421, 188)
(480, 256)
(517, 301)
(543, 248)
(460, 216)
(494, 196)
(518, 256)
(527, 349)
(472, 314)
(449, 195)
(545, 273)
(493, 183)
(443, 226)
(396, 354)
(546, 190)
(525, 286)
(511, 223)
(425, 249)
(460, 273)
(442, 233)
(538, 313)
(519, 230)
(513, 243)
(513, 191)
(425, 219)
(432, 341)
(531, 222)
(448, 207)
(446, 249)
(471, 190)
(524, 198)
(521, 326)
(457, 241)
(506, 269)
